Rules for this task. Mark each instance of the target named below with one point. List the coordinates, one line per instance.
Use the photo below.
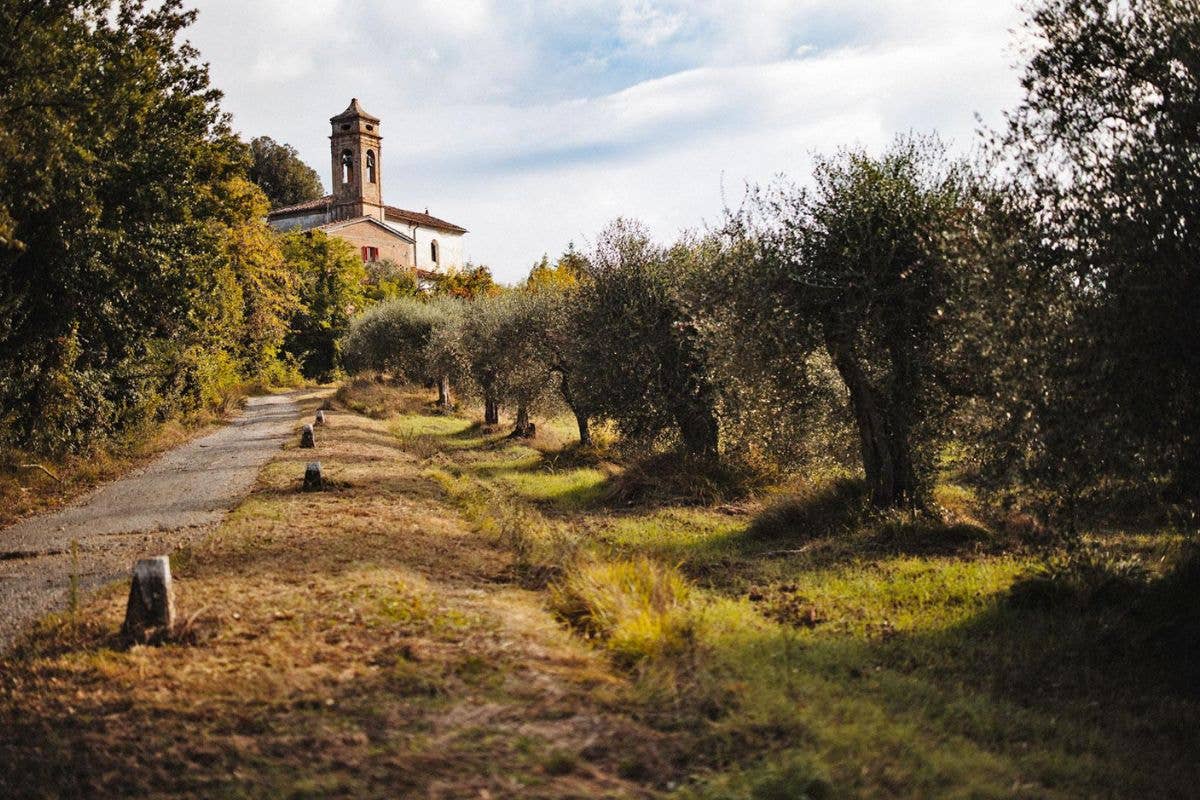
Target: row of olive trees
(716, 344)
(1036, 310)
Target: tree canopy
(281, 174)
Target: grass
(810, 647)
(466, 613)
(358, 642)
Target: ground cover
(464, 614)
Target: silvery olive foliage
(1032, 314)
(860, 270)
(1104, 151)
(643, 361)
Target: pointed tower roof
(354, 111)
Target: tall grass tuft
(816, 510)
(639, 609)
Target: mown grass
(809, 647)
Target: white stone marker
(150, 611)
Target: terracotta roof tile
(417, 218)
(354, 111)
(390, 212)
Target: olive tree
(500, 335)
(414, 340)
(641, 360)
(859, 266)
(392, 337)
(1106, 142)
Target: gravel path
(175, 499)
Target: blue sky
(534, 123)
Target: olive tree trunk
(699, 431)
(444, 398)
(581, 417)
(886, 449)
(523, 429)
(491, 410)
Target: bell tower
(354, 147)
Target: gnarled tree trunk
(523, 429)
(585, 429)
(699, 430)
(491, 411)
(886, 452)
(444, 398)
(581, 417)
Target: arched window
(347, 166)
(433, 250)
(371, 166)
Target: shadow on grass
(1058, 701)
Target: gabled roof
(330, 227)
(390, 212)
(423, 220)
(354, 111)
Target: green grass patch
(807, 646)
(564, 489)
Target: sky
(532, 123)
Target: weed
(795, 779)
(674, 478)
(640, 609)
(559, 762)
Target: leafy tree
(266, 285)
(564, 273)
(331, 277)
(558, 345)
(446, 354)
(279, 172)
(781, 406)
(860, 267)
(387, 280)
(486, 332)
(117, 196)
(641, 358)
(1106, 144)
(467, 283)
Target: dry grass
(27, 491)
(358, 642)
(394, 637)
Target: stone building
(356, 211)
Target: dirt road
(152, 511)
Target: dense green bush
(138, 279)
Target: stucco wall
(304, 222)
(450, 249)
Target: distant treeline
(1032, 316)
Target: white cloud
(648, 25)
(536, 122)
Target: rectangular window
(374, 253)
(370, 254)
